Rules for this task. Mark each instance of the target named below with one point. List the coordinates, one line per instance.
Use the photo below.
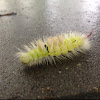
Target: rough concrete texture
(38, 18)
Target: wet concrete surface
(38, 18)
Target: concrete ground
(38, 18)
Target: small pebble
(66, 68)
(38, 97)
(95, 88)
(48, 88)
(53, 76)
(57, 96)
(14, 72)
(59, 71)
(42, 90)
(79, 65)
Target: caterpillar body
(66, 45)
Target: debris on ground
(8, 14)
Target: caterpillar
(62, 46)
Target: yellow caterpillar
(61, 46)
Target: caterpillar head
(26, 59)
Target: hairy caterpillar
(61, 46)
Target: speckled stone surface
(38, 18)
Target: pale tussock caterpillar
(46, 50)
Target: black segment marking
(74, 41)
(69, 51)
(46, 47)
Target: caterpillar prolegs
(64, 45)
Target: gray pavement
(38, 18)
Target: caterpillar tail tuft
(65, 45)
